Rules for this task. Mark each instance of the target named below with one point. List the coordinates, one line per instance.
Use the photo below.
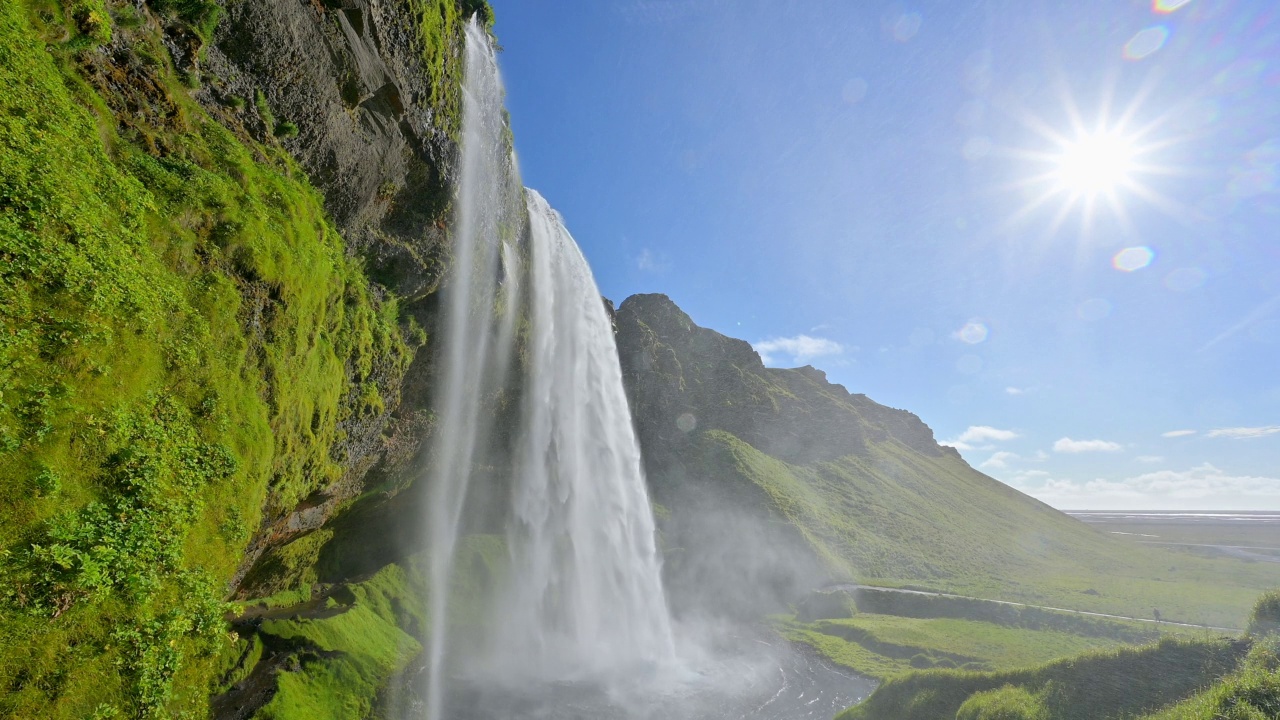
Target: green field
(882, 646)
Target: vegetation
(1182, 676)
(1118, 683)
(898, 518)
(439, 23)
(182, 341)
(885, 646)
(1265, 619)
(1251, 693)
(349, 649)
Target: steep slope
(773, 481)
(221, 225)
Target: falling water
(479, 320)
(585, 593)
(583, 598)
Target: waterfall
(585, 592)
(583, 597)
(479, 321)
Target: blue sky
(1052, 230)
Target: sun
(1095, 164)
(1104, 164)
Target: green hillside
(791, 482)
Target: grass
(1251, 693)
(350, 641)
(1176, 679)
(883, 646)
(1100, 685)
(351, 654)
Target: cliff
(222, 225)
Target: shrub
(1008, 703)
(1265, 619)
(286, 130)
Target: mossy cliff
(222, 225)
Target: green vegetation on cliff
(184, 346)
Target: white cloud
(801, 349)
(1203, 487)
(999, 460)
(1067, 445)
(647, 261)
(1244, 433)
(1014, 391)
(1178, 433)
(979, 437)
(1150, 458)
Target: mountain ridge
(777, 481)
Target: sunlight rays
(1092, 166)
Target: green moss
(440, 25)
(201, 16)
(354, 653)
(182, 338)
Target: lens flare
(1146, 42)
(1165, 7)
(1133, 259)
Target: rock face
(373, 125)
(681, 370)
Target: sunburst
(1082, 165)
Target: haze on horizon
(1050, 231)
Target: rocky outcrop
(374, 128)
(683, 378)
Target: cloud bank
(1203, 487)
